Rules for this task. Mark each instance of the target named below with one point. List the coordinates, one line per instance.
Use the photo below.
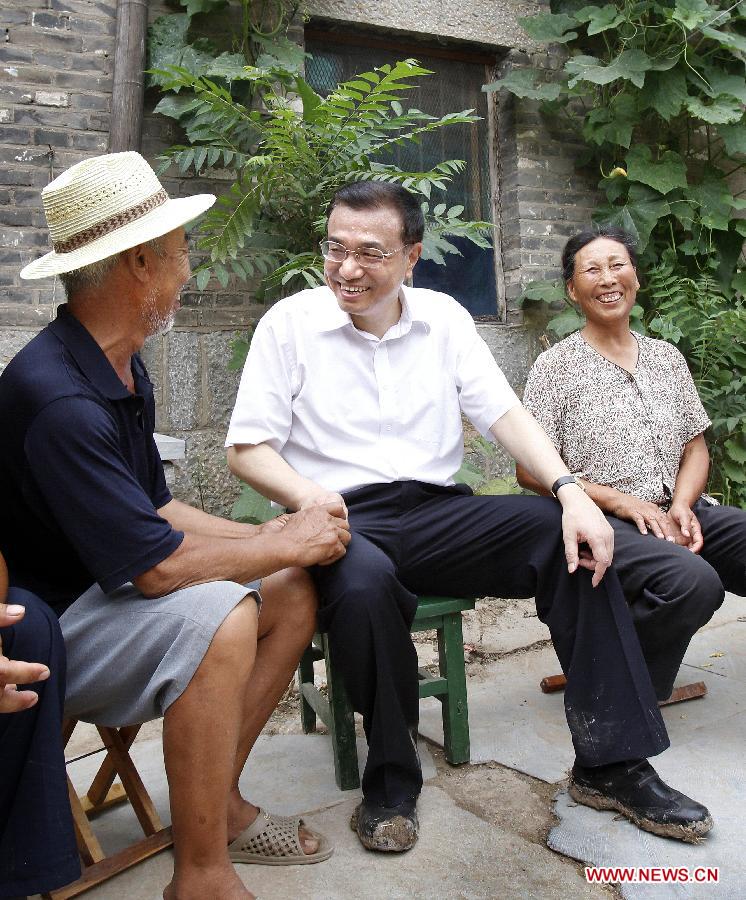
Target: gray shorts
(129, 658)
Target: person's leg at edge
(201, 731)
(38, 851)
(367, 614)
(286, 624)
(511, 546)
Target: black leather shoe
(635, 790)
(390, 829)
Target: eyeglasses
(365, 257)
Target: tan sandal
(272, 840)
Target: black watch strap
(565, 479)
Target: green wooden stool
(440, 613)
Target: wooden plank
(88, 845)
(434, 607)
(99, 789)
(114, 797)
(685, 692)
(136, 792)
(115, 864)
(431, 685)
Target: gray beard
(156, 323)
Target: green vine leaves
(657, 91)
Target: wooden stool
(440, 613)
(102, 794)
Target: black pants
(412, 538)
(37, 843)
(673, 592)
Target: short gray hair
(94, 275)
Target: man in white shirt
(355, 391)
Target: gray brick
(19, 136)
(92, 43)
(91, 101)
(15, 176)
(10, 258)
(15, 238)
(93, 26)
(27, 75)
(84, 140)
(52, 137)
(41, 115)
(12, 53)
(183, 381)
(52, 98)
(103, 10)
(10, 93)
(93, 62)
(82, 82)
(49, 40)
(53, 60)
(13, 17)
(50, 20)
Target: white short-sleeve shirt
(346, 409)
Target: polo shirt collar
(90, 358)
(331, 317)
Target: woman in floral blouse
(625, 416)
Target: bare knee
(290, 600)
(235, 639)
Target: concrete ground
(502, 826)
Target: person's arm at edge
(313, 537)
(641, 513)
(691, 481)
(267, 472)
(582, 521)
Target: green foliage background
(287, 150)
(656, 90)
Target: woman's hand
(645, 515)
(688, 525)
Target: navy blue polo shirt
(80, 476)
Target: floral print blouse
(613, 427)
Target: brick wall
(55, 95)
(543, 198)
(55, 91)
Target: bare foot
(241, 814)
(198, 884)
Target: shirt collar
(90, 358)
(331, 317)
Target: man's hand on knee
(319, 534)
(584, 523)
(13, 673)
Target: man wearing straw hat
(159, 601)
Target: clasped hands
(13, 672)
(319, 530)
(679, 525)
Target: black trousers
(37, 843)
(412, 538)
(673, 592)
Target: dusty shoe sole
(693, 833)
(394, 835)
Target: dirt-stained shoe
(390, 829)
(635, 789)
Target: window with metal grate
(456, 85)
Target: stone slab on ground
(511, 721)
(458, 857)
(705, 761)
(287, 774)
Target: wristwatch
(566, 479)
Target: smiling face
(173, 272)
(369, 295)
(604, 282)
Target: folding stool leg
(455, 707)
(341, 727)
(136, 792)
(305, 676)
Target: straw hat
(104, 205)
